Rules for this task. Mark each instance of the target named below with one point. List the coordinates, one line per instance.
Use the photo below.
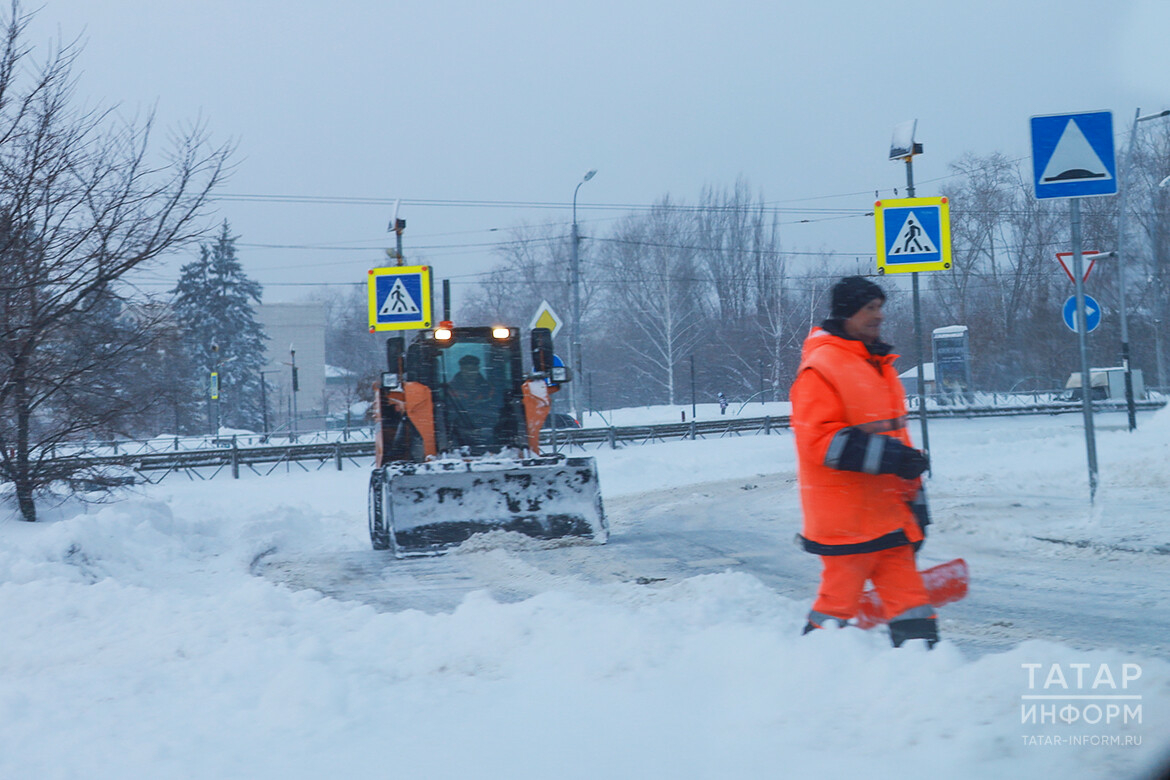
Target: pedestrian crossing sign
(399, 297)
(913, 234)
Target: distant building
(345, 406)
(298, 327)
(909, 379)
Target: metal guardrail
(234, 455)
(207, 463)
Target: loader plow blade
(430, 507)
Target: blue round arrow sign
(1092, 313)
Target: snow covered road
(1073, 587)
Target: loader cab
(475, 376)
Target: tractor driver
(472, 398)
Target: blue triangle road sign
(1073, 155)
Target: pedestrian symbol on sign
(912, 239)
(398, 301)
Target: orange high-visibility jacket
(839, 385)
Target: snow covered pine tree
(214, 311)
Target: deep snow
(138, 640)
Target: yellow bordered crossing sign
(400, 297)
(913, 234)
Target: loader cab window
(476, 379)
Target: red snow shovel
(945, 583)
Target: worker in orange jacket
(860, 478)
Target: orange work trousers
(894, 575)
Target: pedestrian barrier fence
(207, 457)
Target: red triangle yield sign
(1067, 256)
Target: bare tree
(655, 292)
(1150, 252)
(83, 203)
(533, 266)
(738, 245)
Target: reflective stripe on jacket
(841, 385)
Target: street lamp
(296, 385)
(1129, 404)
(575, 274)
(213, 389)
(1161, 361)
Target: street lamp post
(1129, 403)
(296, 385)
(264, 398)
(575, 274)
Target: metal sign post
(1082, 320)
(918, 328)
(1072, 157)
(919, 251)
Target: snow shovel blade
(945, 584)
(434, 506)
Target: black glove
(906, 462)
(874, 453)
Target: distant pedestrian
(860, 480)
(722, 403)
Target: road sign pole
(1082, 323)
(1073, 157)
(918, 328)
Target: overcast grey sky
(512, 102)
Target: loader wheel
(379, 533)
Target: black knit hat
(852, 293)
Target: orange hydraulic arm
(537, 405)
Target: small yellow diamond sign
(545, 317)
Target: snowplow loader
(457, 433)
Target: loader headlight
(501, 333)
(443, 334)
(391, 381)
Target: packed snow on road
(224, 628)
